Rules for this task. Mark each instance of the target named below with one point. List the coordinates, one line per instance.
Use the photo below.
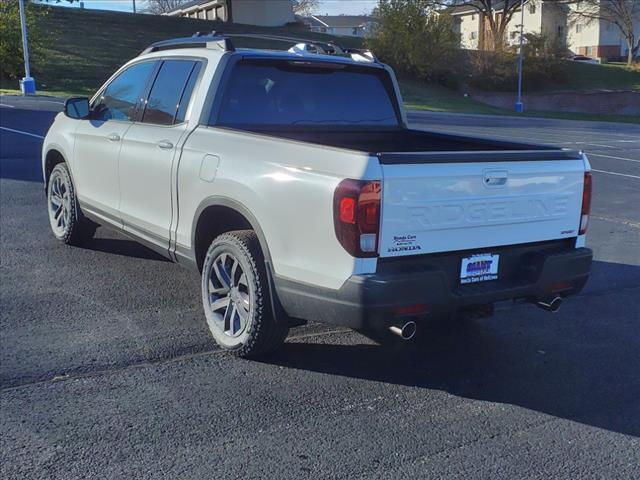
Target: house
(596, 39)
(347, 25)
(267, 13)
(556, 20)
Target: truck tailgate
(440, 207)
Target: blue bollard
(28, 86)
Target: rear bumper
(527, 273)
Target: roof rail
(198, 40)
(220, 41)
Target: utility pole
(134, 6)
(519, 105)
(27, 84)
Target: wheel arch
(52, 158)
(217, 215)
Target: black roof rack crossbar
(219, 41)
(197, 41)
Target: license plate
(479, 268)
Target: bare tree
(305, 8)
(624, 14)
(164, 6)
(496, 13)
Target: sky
(327, 7)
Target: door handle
(114, 137)
(495, 178)
(165, 144)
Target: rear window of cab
(298, 93)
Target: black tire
(232, 256)
(67, 222)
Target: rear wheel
(236, 298)
(66, 220)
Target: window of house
(532, 8)
(578, 27)
(169, 92)
(474, 35)
(355, 31)
(589, 51)
(473, 17)
(120, 99)
(323, 29)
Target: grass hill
(84, 47)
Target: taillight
(586, 204)
(356, 216)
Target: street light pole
(27, 84)
(519, 105)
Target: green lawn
(608, 76)
(421, 96)
(84, 47)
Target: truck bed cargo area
(409, 141)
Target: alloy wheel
(229, 295)
(59, 204)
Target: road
(107, 369)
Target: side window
(119, 99)
(188, 90)
(171, 91)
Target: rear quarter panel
(287, 186)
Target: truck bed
(406, 146)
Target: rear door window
(171, 92)
(278, 93)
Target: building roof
(468, 8)
(340, 21)
(194, 4)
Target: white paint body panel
(287, 186)
(432, 208)
(146, 181)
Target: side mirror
(77, 107)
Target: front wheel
(66, 220)
(236, 297)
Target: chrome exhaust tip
(406, 331)
(552, 305)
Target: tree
(621, 13)
(305, 8)
(415, 39)
(159, 7)
(498, 14)
(11, 59)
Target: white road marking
(615, 173)
(628, 223)
(21, 132)
(611, 156)
(6, 106)
(596, 145)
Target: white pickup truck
(292, 182)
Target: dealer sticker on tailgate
(479, 268)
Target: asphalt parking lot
(107, 369)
